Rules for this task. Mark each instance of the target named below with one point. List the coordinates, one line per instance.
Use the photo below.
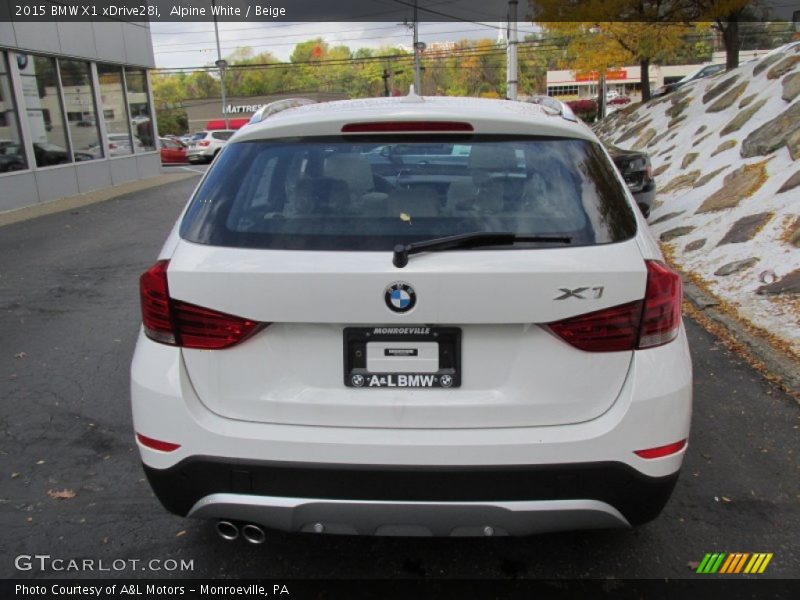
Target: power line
(494, 49)
(271, 44)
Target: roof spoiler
(279, 105)
(556, 107)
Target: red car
(172, 151)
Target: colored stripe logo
(734, 562)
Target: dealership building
(75, 109)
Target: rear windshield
(370, 194)
(200, 135)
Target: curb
(71, 202)
(775, 361)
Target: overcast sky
(190, 44)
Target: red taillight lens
(661, 318)
(182, 324)
(406, 127)
(661, 450)
(156, 444)
(156, 311)
(609, 330)
(204, 143)
(207, 329)
(651, 322)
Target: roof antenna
(412, 96)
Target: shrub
(584, 109)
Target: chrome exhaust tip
(254, 534)
(227, 530)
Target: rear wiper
(469, 240)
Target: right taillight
(651, 322)
(178, 323)
(204, 143)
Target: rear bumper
(516, 500)
(204, 154)
(357, 478)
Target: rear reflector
(178, 323)
(646, 323)
(156, 444)
(406, 127)
(661, 451)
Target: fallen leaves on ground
(64, 494)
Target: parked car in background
(637, 171)
(173, 151)
(205, 145)
(485, 345)
(119, 144)
(11, 158)
(702, 73)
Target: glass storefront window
(76, 81)
(12, 155)
(139, 105)
(43, 109)
(115, 109)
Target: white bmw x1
(412, 316)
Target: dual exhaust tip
(229, 531)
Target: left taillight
(179, 323)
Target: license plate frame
(356, 375)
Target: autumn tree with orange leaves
(609, 33)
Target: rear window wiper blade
(470, 240)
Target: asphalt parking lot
(68, 323)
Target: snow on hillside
(726, 154)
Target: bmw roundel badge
(400, 297)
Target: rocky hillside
(726, 155)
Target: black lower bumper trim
(638, 497)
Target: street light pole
(221, 65)
(511, 52)
(417, 50)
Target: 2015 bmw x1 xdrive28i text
(483, 340)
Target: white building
(75, 108)
(627, 81)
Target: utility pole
(387, 78)
(601, 93)
(418, 48)
(386, 75)
(511, 52)
(221, 65)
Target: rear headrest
(494, 157)
(352, 168)
(324, 195)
